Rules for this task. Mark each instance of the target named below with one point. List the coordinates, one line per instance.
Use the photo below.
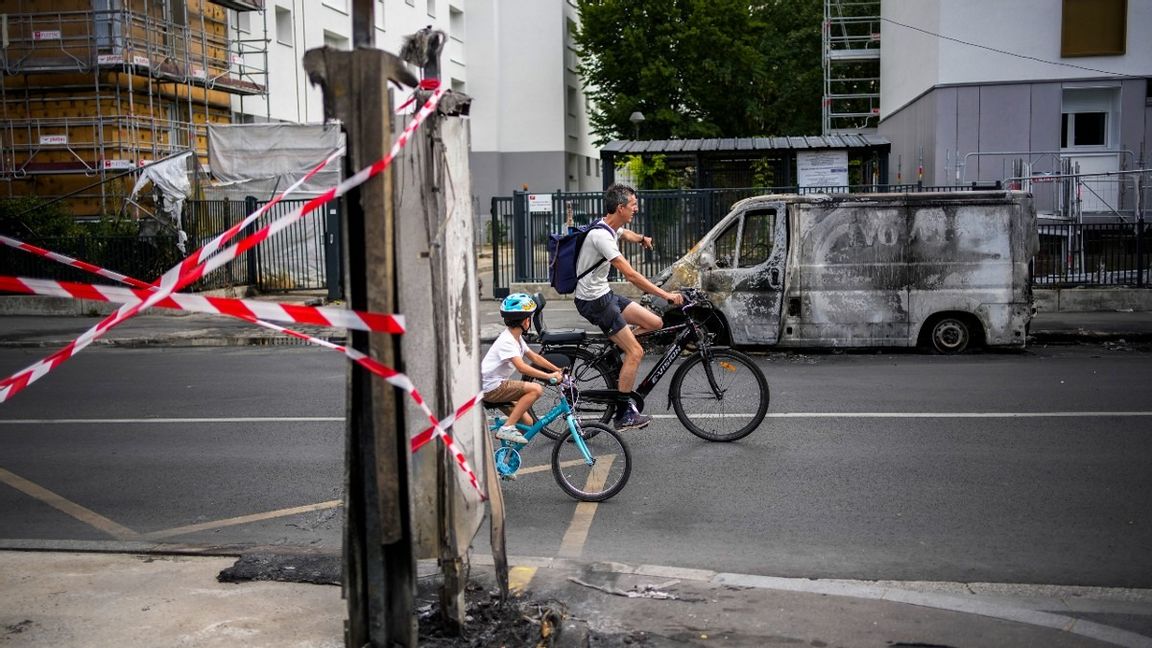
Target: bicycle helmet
(517, 307)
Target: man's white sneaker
(510, 433)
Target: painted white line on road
(736, 415)
(916, 415)
(120, 421)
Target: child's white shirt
(497, 364)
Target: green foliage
(653, 173)
(27, 217)
(701, 68)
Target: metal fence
(1070, 253)
(303, 256)
(1093, 254)
(676, 219)
(142, 257)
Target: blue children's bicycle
(590, 461)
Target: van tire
(950, 334)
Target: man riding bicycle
(613, 313)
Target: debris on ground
(319, 569)
(490, 622)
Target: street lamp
(636, 118)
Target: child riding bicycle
(507, 355)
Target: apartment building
(292, 27)
(94, 88)
(515, 58)
(984, 90)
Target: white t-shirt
(598, 244)
(497, 364)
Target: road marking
(917, 415)
(577, 534)
(120, 421)
(243, 519)
(85, 515)
(519, 577)
(340, 419)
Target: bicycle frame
(562, 408)
(689, 331)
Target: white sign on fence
(540, 203)
(53, 139)
(119, 164)
(822, 168)
(51, 34)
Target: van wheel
(950, 335)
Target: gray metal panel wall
(1005, 111)
(1045, 127)
(968, 129)
(946, 153)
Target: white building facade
(978, 90)
(515, 58)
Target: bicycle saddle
(559, 336)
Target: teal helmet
(517, 307)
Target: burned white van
(943, 270)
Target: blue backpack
(563, 252)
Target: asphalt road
(1028, 467)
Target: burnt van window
(725, 247)
(759, 233)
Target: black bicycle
(718, 393)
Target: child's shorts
(509, 391)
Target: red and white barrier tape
(242, 308)
(193, 267)
(203, 261)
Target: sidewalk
(127, 600)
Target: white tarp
(264, 159)
(171, 179)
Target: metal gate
(306, 255)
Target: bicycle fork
(578, 439)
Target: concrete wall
(950, 122)
(914, 62)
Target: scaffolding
(96, 87)
(851, 61)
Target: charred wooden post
(379, 565)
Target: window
(1088, 117)
(1094, 27)
(411, 3)
(458, 86)
(380, 14)
(432, 8)
(335, 41)
(724, 247)
(283, 26)
(338, 5)
(571, 101)
(758, 238)
(243, 21)
(1083, 129)
(456, 23)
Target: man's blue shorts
(607, 312)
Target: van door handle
(774, 280)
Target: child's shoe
(510, 433)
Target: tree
(701, 68)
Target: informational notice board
(825, 168)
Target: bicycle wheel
(743, 400)
(586, 375)
(605, 476)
